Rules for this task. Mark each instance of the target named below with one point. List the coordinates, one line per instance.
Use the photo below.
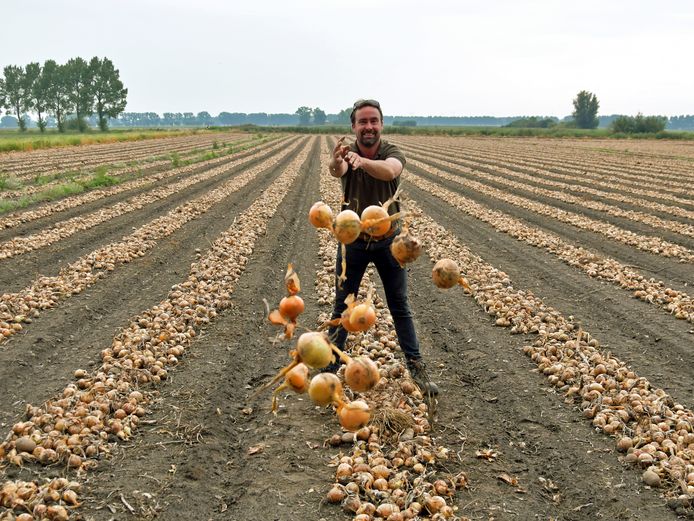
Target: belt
(375, 238)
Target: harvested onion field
(133, 334)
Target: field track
(567, 236)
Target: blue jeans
(394, 279)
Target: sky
(439, 57)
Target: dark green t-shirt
(360, 190)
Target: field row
(150, 395)
(26, 165)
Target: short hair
(359, 104)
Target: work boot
(418, 372)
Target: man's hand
(354, 159)
(339, 153)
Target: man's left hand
(355, 160)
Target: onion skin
(347, 226)
(361, 374)
(445, 274)
(324, 388)
(321, 215)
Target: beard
(369, 139)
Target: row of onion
(642, 418)
(103, 407)
(562, 163)
(47, 162)
(15, 219)
(133, 168)
(647, 243)
(559, 192)
(18, 309)
(389, 471)
(69, 227)
(677, 303)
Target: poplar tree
(107, 89)
(586, 110)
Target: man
(369, 171)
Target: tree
(78, 76)
(232, 118)
(319, 116)
(14, 93)
(304, 114)
(343, 117)
(54, 76)
(38, 92)
(639, 125)
(108, 91)
(205, 118)
(8, 122)
(586, 110)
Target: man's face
(367, 126)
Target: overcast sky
(439, 57)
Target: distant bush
(533, 122)
(639, 124)
(404, 123)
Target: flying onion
(353, 415)
(446, 274)
(324, 389)
(321, 215)
(405, 248)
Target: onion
(57, 513)
(297, 378)
(291, 307)
(346, 323)
(347, 226)
(336, 494)
(353, 415)
(375, 220)
(363, 316)
(314, 350)
(446, 274)
(405, 248)
(321, 215)
(351, 504)
(434, 503)
(324, 388)
(25, 444)
(361, 374)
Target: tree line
(69, 92)
(585, 116)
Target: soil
(207, 450)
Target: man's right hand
(336, 163)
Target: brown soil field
(207, 449)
